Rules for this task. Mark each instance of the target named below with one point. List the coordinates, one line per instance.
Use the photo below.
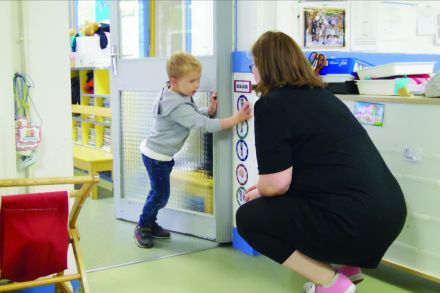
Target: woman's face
(256, 73)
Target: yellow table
(92, 160)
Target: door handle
(114, 59)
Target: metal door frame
(219, 226)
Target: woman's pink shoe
(353, 273)
(342, 284)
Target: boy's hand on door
(212, 110)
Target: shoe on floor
(158, 232)
(353, 273)
(341, 284)
(143, 236)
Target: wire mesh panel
(192, 183)
(136, 120)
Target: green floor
(186, 264)
(108, 242)
(224, 269)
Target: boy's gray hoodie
(174, 116)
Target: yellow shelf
(92, 110)
(101, 80)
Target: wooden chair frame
(59, 279)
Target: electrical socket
(411, 154)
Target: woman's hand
(251, 193)
(212, 110)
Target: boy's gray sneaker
(158, 232)
(143, 237)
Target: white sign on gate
(242, 86)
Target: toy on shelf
(89, 84)
(93, 27)
(90, 29)
(90, 47)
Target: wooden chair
(60, 279)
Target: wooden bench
(93, 161)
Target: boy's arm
(203, 111)
(212, 109)
(188, 117)
(229, 122)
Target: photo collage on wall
(324, 27)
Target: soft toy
(73, 34)
(91, 28)
(89, 84)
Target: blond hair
(280, 61)
(181, 63)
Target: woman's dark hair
(280, 61)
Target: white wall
(7, 148)
(394, 26)
(253, 20)
(406, 127)
(44, 56)
(387, 26)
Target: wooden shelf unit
(91, 122)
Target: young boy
(174, 114)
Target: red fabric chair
(35, 232)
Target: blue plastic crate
(343, 66)
(240, 244)
(47, 288)
(106, 175)
(40, 289)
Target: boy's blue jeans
(159, 174)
